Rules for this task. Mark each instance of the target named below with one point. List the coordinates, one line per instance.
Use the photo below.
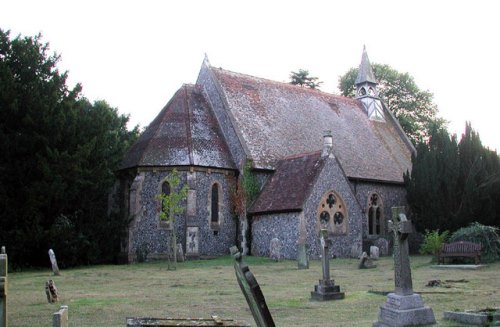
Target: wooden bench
(460, 249)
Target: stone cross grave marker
(53, 261)
(3, 287)
(252, 291)
(403, 307)
(326, 289)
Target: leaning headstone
(252, 292)
(51, 291)
(275, 249)
(374, 252)
(365, 262)
(383, 246)
(60, 318)
(302, 257)
(53, 261)
(3, 287)
(403, 307)
(326, 289)
(180, 253)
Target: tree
(171, 205)
(453, 184)
(413, 107)
(59, 154)
(303, 79)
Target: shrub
(487, 236)
(432, 242)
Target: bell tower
(366, 89)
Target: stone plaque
(192, 241)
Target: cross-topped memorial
(403, 307)
(326, 289)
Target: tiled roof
(276, 120)
(290, 184)
(184, 133)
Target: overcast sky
(136, 54)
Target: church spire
(365, 73)
(366, 89)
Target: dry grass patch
(106, 295)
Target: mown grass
(106, 295)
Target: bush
(432, 242)
(487, 236)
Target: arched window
(214, 215)
(332, 213)
(215, 199)
(375, 211)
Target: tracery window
(332, 213)
(375, 221)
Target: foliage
(303, 79)
(59, 154)
(453, 183)
(249, 184)
(414, 108)
(172, 205)
(487, 236)
(433, 242)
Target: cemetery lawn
(106, 295)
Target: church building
(317, 160)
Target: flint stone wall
(147, 233)
(283, 226)
(333, 178)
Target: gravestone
(403, 307)
(374, 252)
(302, 257)
(326, 289)
(192, 241)
(365, 262)
(383, 246)
(60, 318)
(251, 290)
(51, 291)
(53, 261)
(275, 249)
(180, 253)
(356, 250)
(3, 287)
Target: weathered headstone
(356, 251)
(60, 318)
(3, 287)
(326, 289)
(302, 257)
(180, 253)
(365, 262)
(374, 252)
(275, 249)
(383, 246)
(51, 291)
(252, 292)
(403, 307)
(53, 261)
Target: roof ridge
(305, 89)
(299, 155)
